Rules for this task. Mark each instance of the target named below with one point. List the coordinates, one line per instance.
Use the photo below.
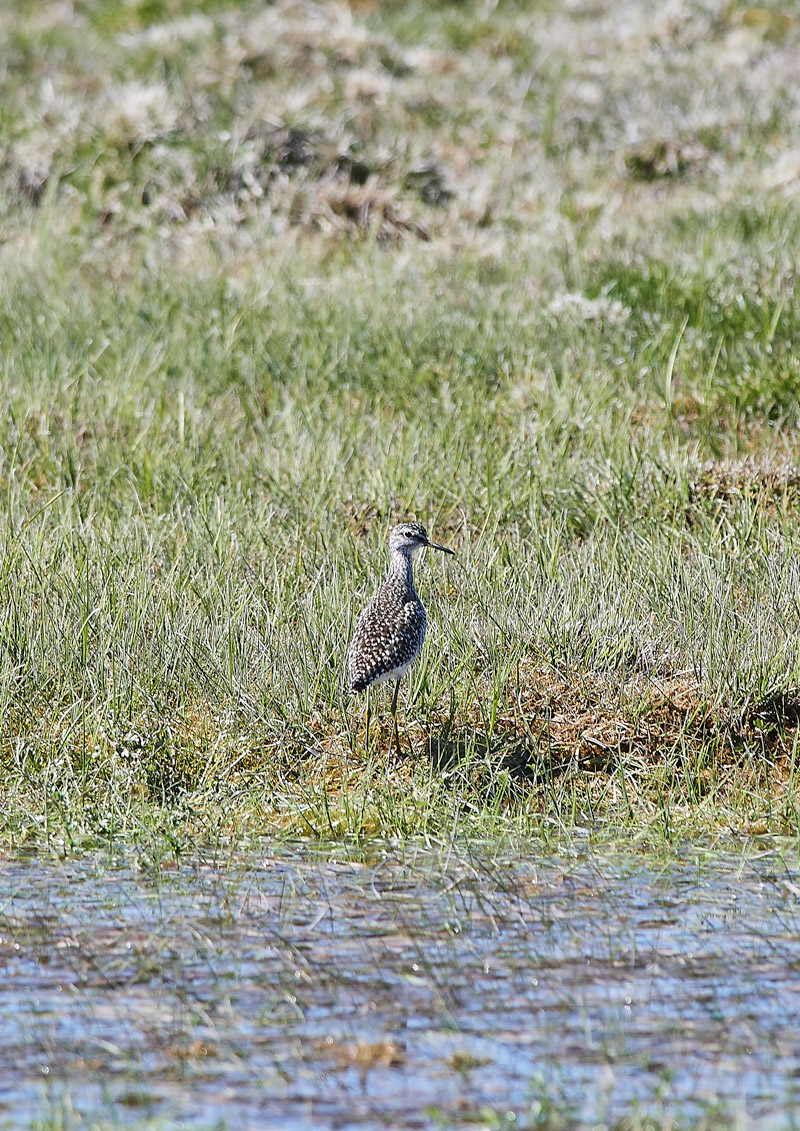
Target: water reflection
(302, 989)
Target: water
(400, 988)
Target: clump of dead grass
(364, 209)
(766, 480)
(600, 718)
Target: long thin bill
(444, 549)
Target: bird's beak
(444, 549)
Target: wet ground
(401, 988)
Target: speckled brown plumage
(388, 636)
(390, 631)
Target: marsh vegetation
(278, 276)
(275, 277)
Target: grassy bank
(277, 277)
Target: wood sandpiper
(390, 631)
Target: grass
(275, 279)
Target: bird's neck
(401, 569)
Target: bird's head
(407, 537)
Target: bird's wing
(382, 643)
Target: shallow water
(400, 988)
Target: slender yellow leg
(394, 720)
(366, 740)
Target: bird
(390, 631)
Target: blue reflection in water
(310, 989)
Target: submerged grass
(277, 278)
(560, 988)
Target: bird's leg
(394, 719)
(367, 735)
